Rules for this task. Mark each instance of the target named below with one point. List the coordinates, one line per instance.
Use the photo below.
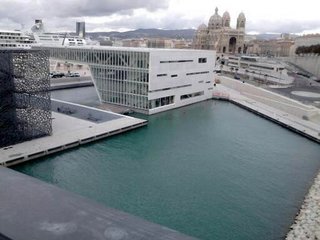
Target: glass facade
(120, 76)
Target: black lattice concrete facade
(25, 105)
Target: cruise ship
(15, 39)
(59, 39)
(38, 36)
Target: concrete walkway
(64, 83)
(68, 132)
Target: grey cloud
(24, 11)
(282, 26)
(78, 8)
(61, 15)
(171, 21)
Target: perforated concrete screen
(25, 107)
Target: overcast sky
(273, 16)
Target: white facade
(144, 79)
(185, 75)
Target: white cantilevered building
(143, 79)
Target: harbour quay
(72, 125)
(293, 115)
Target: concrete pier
(32, 209)
(71, 128)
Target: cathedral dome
(241, 16)
(241, 21)
(226, 15)
(226, 19)
(215, 21)
(202, 27)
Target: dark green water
(210, 170)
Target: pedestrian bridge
(120, 75)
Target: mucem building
(25, 107)
(145, 80)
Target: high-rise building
(81, 29)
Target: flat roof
(133, 49)
(32, 209)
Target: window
(162, 75)
(191, 95)
(196, 73)
(176, 61)
(165, 89)
(202, 60)
(159, 102)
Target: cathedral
(219, 36)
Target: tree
(308, 49)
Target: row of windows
(12, 34)
(176, 61)
(200, 60)
(8, 45)
(196, 73)
(191, 95)
(16, 38)
(176, 75)
(159, 102)
(166, 89)
(14, 45)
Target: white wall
(180, 69)
(271, 99)
(310, 63)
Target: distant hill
(267, 36)
(160, 33)
(146, 33)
